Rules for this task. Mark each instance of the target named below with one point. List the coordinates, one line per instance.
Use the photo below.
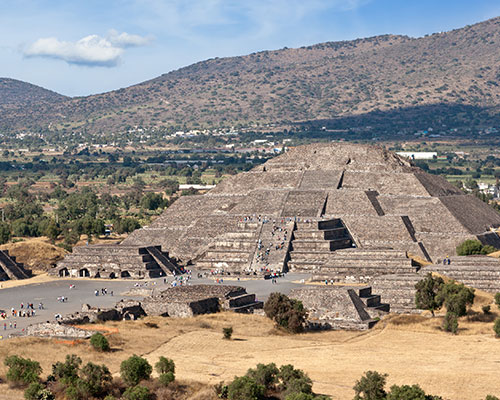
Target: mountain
(460, 68)
(14, 93)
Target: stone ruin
(342, 212)
(175, 302)
(116, 261)
(10, 268)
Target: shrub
(406, 392)
(67, 371)
(165, 365)
(288, 314)
(294, 380)
(469, 247)
(245, 388)
(227, 332)
(370, 386)
(427, 294)
(496, 327)
(22, 371)
(96, 379)
(456, 297)
(450, 322)
(486, 309)
(134, 369)
(265, 375)
(491, 397)
(137, 393)
(32, 392)
(166, 378)
(497, 299)
(99, 342)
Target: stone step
(248, 225)
(314, 255)
(303, 245)
(240, 235)
(360, 252)
(235, 244)
(248, 308)
(242, 300)
(364, 262)
(228, 254)
(73, 264)
(110, 250)
(117, 259)
(218, 264)
(304, 266)
(321, 225)
(372, 300)
(337, 233)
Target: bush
(486, 309)
(99, 342)
(265, 375)
(134, 369)
(294, 380)
(490, 397)
(137, 393)
(456, 297)
(370, 386)
(166, 378)
(406, 392)
(497, 299)
(245, 388)
(288, 314)
(470, 247)
(96, 379)
(227, 332)
(450, 322)
(496, 327)
(427, 294)
(22, 371)
(165, 365)
(67, 372)
(33, 391)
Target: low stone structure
(340, 307)
(116, 261)
(10, 268)
(59, 330)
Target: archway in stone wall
(112, 275)
(84, 273)
(124, 274)
(63, 272)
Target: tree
(4, 232)
(497, 299)
(96, 379)
(99, 342)
(165, 365)
(456, 297)
(370, 386)
(245, 388)
(496, 327)
(265, 375)
(52, 231)
(406, 392)
(227, 332)
(134, 369)
(67, 371)
(137, 393)
(450, 322)
(469, 247)
(294, 380)
(426, 296)
(22, 371)
(288, 314)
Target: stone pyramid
(318, 204)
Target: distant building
(418, 155)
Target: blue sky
(81, 47)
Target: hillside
(439, 72)
(16, 93)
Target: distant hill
(21, 94)
(336, 79)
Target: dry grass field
(411, 349)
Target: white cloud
(92, 50)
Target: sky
(82, 47)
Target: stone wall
(54, 329)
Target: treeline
(77, 213)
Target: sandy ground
(411, 349)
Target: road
(84, 293)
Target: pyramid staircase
(10, 269)
(234, 251)
(360, 265)
(314, 242)
(244, 303)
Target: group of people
(103, 292)
(446, 260)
